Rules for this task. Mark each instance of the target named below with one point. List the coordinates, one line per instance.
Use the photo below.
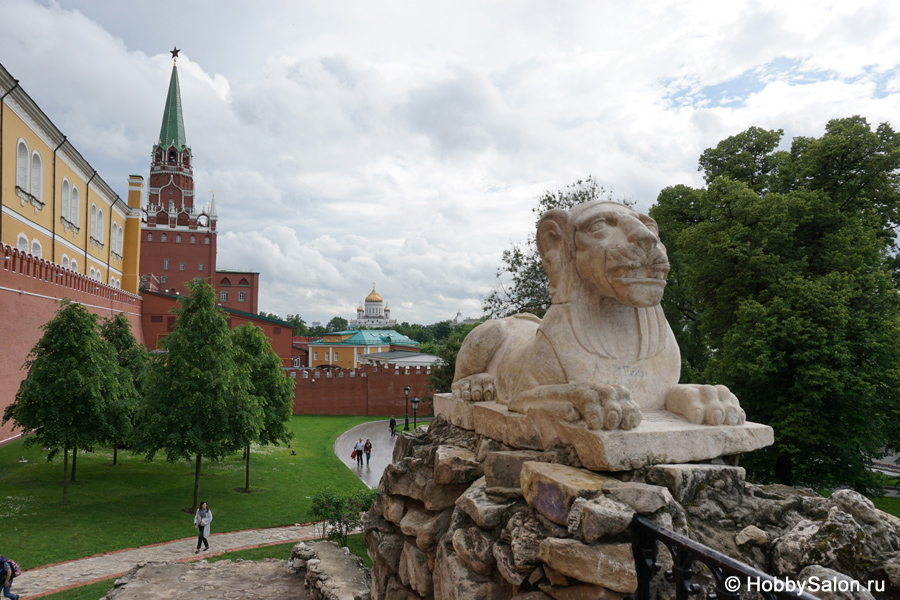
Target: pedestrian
(360, 448)
(393, 425)
(201, 522)
(368, 450)
(8, 569)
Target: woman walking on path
(201, 522)
(368, 449)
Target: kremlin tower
(178, 238)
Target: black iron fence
(731, 578)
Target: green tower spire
(172, 130)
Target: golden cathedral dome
(374, 297)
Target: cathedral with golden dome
(373, 312)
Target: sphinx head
(604, 248)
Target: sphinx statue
(604, 353)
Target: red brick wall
(374, 391)
(30, 292)
(235, 286)
(157, 321)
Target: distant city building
(346, 349)
(373, 313)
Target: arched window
(206, 241)
(172, 156)
(74, 265)
(36, 249)
(150, 237)
(225, 281)
(158, 156)
(186, 160)
(163, 238)
(65, 262)
(192, 239)
(37, 176)
(22, 165)
(115, 238)
(99, 224)
(177, 238)
(22, 243)
(93, 232)
(64, 197)
(243, 281)
(92, 273)
(121, 240)
(74, 206)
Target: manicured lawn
(138, 502)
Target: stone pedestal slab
(661, 438)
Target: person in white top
(359, 452)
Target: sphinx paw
(475, 388)
(608, 407)
(705, 404)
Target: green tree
(134, 361)
(522, 285)
(269, 387)
(197, 402)
(73, 392)
(442, 373)
(441, 330)
(781, 288)
(299, 325)
(337, 324)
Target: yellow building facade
(346, 349)
(54, 205)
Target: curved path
(382, 449)
(57, 577)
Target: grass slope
(139, 502)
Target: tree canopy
(783, 287)
(75, 393)
(270, 389)
(198, 401)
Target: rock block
(432, 530)
(495, 421)
(504, 556)
(603, 517)
(643, 498)
(551, 489)
(661, 438)
(480, 507)
(609, 565)
(415, 571)
(475, 549)
(502, 469)
(414, 520)
(683, 481)
(581, 592)
(751, 535)
(453, 464)
(457, 411)
(454, 581)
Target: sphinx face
(618, 254)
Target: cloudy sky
(405, 142)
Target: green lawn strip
(139, 502)
(85, 592)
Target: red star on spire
(174, 52)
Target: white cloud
(405, 142)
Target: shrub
(339, 513)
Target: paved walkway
(62, 576)
(382, 449)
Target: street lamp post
(415, 403)
(406, 425)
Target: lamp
(415, 403)
(406, 425)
